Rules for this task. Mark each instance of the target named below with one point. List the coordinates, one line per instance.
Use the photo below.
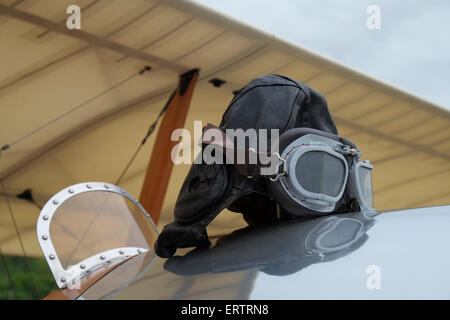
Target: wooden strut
(160, 165)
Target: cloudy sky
(410, 51)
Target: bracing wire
(34, 131)
(77, 107)
(27, 262)
(11, 282)
(144, 140)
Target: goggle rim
(355, 178)
(325, 145)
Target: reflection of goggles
(316, 172)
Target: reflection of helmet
(280, 248)
(268, 102)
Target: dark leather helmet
(268, 102)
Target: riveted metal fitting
(89, 264)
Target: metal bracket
(281, 168)
(347, 150)
(4, 148)
(75, 272)
(185, 79)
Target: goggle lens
(320, 172)
(365, 185)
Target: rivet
(102, 257)
(109, 261)
(83, 266)
(106, 186)
(123, 191)
(121, 251)
(44, 237)
(71, 191)
(139, 251)
(63, 279)
(55, 201)
(88, 186)
(52, 257)
(45, 217)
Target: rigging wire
(81, 105)
(77, 107)
(144, 140)
(130, 162)
(5, 266)
(27, 262)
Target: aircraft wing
(48, 70)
